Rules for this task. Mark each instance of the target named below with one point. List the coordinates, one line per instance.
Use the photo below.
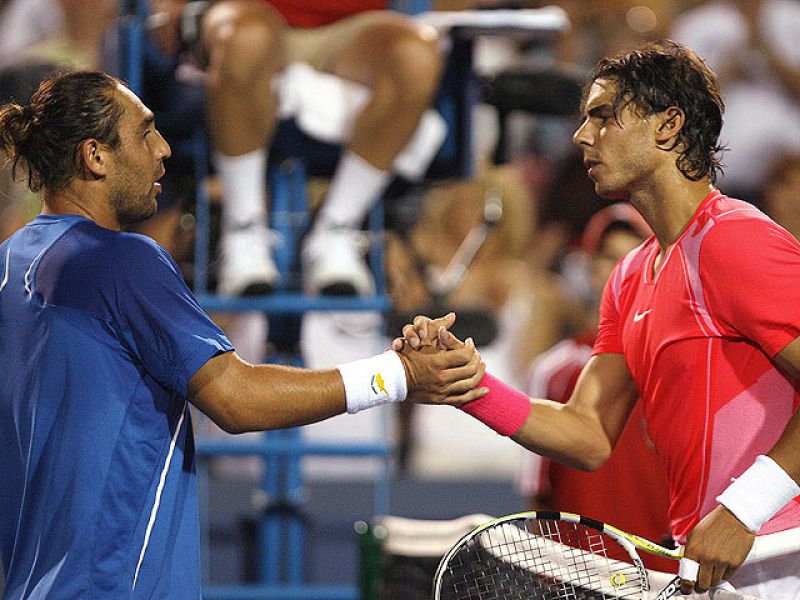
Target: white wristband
(760, 492)
(372, 381)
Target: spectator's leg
(400, 62)
(243, 41)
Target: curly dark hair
(664, 73)
(44, 136)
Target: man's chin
(609, 194)
(132, 218)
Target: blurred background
(500, 223)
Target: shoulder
(739, 229)
(90, 266)
(117, 253)
(133, 251)
(735, 237)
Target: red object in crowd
(305, 14)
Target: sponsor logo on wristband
(378, 385)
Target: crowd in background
(530, 285)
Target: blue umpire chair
(293, 157)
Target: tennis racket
(547, 555)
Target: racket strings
(541, 560)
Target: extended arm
(580, 433)
(240, 397)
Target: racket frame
(630, 542)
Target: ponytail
(16, 123)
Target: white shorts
(772, 579)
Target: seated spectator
(246, 45)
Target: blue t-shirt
(99, 337)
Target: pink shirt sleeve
(609, 336)
(750, 273)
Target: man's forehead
(133, 108)
(601, 91)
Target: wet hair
(662, 74)
(43, 138)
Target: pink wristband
(504, 408)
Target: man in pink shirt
(702, 322)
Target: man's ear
(94, 158)
(669, 124)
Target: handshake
(441, 369)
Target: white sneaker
(246, 266)
(333, 263)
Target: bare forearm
(242, 397)
(559, 432)
(275, 397)
(582, 432)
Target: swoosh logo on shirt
(641, 315)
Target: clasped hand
(441, 369)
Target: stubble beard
(609, 192)
(131, 210)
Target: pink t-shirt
(699, 337)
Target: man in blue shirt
(101, 346)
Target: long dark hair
(663, 74)
(44, 136)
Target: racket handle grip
(688, 570)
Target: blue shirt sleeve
(133, 284)
(172, 335)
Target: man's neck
(83, 202)
(670, 206)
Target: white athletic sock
(356, 185)
(244, 189)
